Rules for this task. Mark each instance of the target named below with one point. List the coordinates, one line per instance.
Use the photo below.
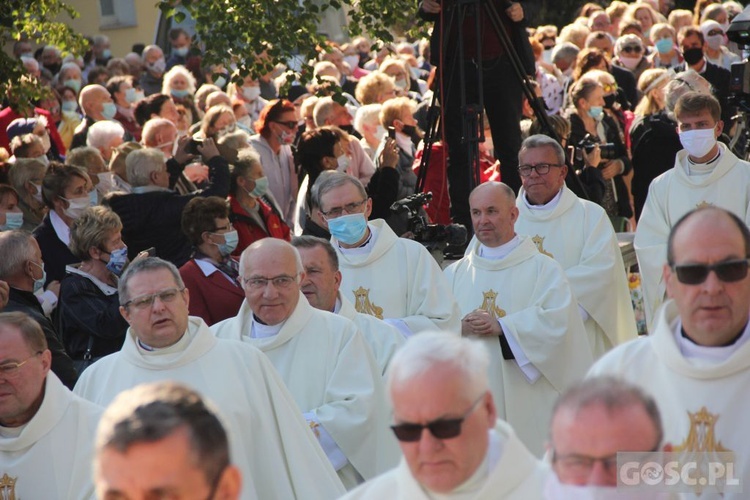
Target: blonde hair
(648, 105)
(393, 110)
(372, 86)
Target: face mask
(182, 51)
(76, 206)
(93, 198)
(227, 130)
(286, 138)
(231, 239)
(664, 45)
(250, 93)
(547, 56)
(158, 66)
(352, 61)
(139, 96)
(39, 283)
(13, 220)
(46, 142)
(698, 142)
(401, 83)
(28, 55)
(595, 112)
(109, 110)
(106, 183)
(38, 195)
(69, 106)
(42, 159)
(106, 54)
(130, 95)
(261, 187)
(715, 41)
(692, 56)
(630, 62)
(118, 259)
(53, 68)
(220, 82)
(348, 229)
(411, 131)
(342, 163)
(73, 84)
(246, 122)
(724, 27)
(379, 133)
(179, 94)
(609, 101)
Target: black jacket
(55, 254)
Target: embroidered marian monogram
(702, 436)
(8, 487)
(704, 204)
(539, 242)
(489, 305)
(363, 305)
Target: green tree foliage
(36, 20)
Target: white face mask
(698, 142)
(246, 121)
(352, 61)
(106, 183)
(715, 41)
(342, 163)
(38, 195)
(379, 133)
(76, 206)
(251, 93)
(42, 159)
(630, 62)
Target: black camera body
(435, 237)
(588, 144)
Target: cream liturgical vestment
(509, 472)
(330, 371)
(579, 236)
(397, 278)
(268, 438)
(701, 392)
(530, 296)
(51, 457)
(672, 195)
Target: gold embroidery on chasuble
(363, 305)
(8, 487)
(539, 242)
(488, 304)
(702, 435)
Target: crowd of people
(161, 219)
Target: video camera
(435, 237)
(739, 84)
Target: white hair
(629, 39)
(101, 133)
(177, 70)
(565, 51)
(141, 163)
(683, 82)
(368, 114)
(433, 349)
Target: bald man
(97, 105)
(518, 302)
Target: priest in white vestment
(454, 446)
(322, 358)
(519, 303)
(394, 279)
(579, 236)
(696, 363)
(706, 172)
(45, 430)
(321, 287)
(272, 445)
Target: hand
(389, 154)
(611, 169)
(593, 158)
(181, 156)
(208, 149)
(4, 292)
(196, 172)
(54, 287)
(515, 12)
(479, 322)
(431, 6)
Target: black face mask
(692, 56)
(411, 131)
(610, 100)
(363, 58)
(53, 68)
(349, 129)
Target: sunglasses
(290, 124)
(632, 48)
(728, 272)
(440, 429)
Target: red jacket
(249, 231)
(213, 298)
(7, 115)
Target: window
(116, 14)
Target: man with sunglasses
(444, 416)
(696, 363)
(519, 303)
(272, 443)
(579, 236)
(322, 357)
(45, 443)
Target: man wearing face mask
(180, 42)
(23, 269)
(97, 105)
(154, 66)
(212, 274)
(706, 172)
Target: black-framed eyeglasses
(540, 168)
(289, 124)
(145, 301)
(11, 368)
(349, 208)
(440, 429)
(728, 271)
(259, 283)
(629, 49)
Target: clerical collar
(337, 306)
(12, 432)
(178, 346)
(497, 253)
(366, 247)
(259, 330)
(695, 169)
(550, 205)
(718, 354)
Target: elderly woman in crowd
(375, 88)
(179, 83)
(90, 159)
(26, 178)
(367, 124)
(89, 309)
(630, 54)
(125, 97)
(665, 55)
(248, 94)
(211, 275)
(217, 122)
(11, 216)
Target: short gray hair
(16, 249)
(141, 163)
(542, 141)
(682, 83)
(24, 170)
(323, 109)
(437, 349)
(565, 51)
(331, 179)
(101, 133)
(149, 413)
(369, 114)
(85, 156)
(149, 264)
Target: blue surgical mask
(109, 110)
(118, 259)
(179, 94)
(130, 95)
(13, 220)
(664, 45)
(93, 198)
(261, 187)
(182, 51)
(595, 112)
(220, 82)
(231, 239)
(73, 84)
(69, 106)
(106, 54)
(39, 283)
(348, 229)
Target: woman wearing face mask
(399, 71)
(179, 84)
(70, 118)
(212, 274)
(665, 54)
(89, 307)
(715, 48)
(68, 192)
(589, 119)
(612, 100)
(248, 93)
(217, 122)
(629, 54)
(125, 97)
(253, 209)
(11, 216)
(26, 178)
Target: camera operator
(502, 100)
